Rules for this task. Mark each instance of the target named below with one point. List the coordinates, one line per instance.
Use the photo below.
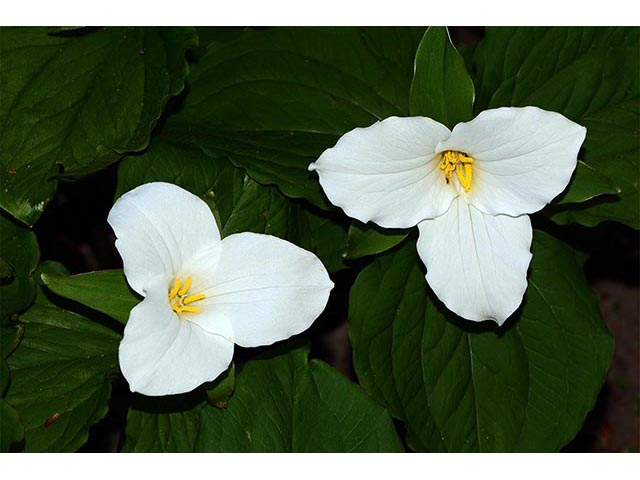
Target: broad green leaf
(239, 203)
(328, 240)
(467, 52)
(72, 105)
(614, 143)
(106, 291)
(591, 75)
(282, 403)
(461, 386)
(10, 337)
(181, 164)
(215, 35)
(588, 183)
(187, 167)
(441, 87)
(167, 424)
(12, 331)
(61, 377)
(19, 248)
(242, 204)
(273, 100)
(11, 429)
(371, 239)
(286, 403)
(263, 209)
(6, 271)
(5, 374)
(44, 296)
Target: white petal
(477, 263)
(159, 226)
(267, 289)
(387, 173)
(163, 354)
(524, 157)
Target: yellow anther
(461, 164)
(174, 291)
(178, 299)
(185, 289)
(193, 298)
(447, 165)
(189, 308)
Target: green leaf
(441, 87)
(216, 180)
(215, 35)
(12, 431)
(239, 203)
(262, 209)
(5, 375)
(371, 239)
(273, 100)
(20, 250)
(61, 377)
(75, 104)
(614, 143)
(222, 389)
(169, 424)
(328, 240)
(592, 76)
(588, 183)
(6, 271)
(461, 386)
(183, 165)
(106, 291)
(10, 337)
(313, 407)
(44, 296)
(282, 403)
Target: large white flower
(203, 294)
(468, 190)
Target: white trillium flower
(468, 190)
(201, 293)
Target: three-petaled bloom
(468, 190)
(202, 293)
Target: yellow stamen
(461, 164)
(185, 289)
(193, 298)
(189, 308)
(178, 299)
(174, 291)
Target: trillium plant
(203, 294)
(469, 191)
(209, 243)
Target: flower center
(461, 164)
(180, 301)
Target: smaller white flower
(203, 294)
(469, 191)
